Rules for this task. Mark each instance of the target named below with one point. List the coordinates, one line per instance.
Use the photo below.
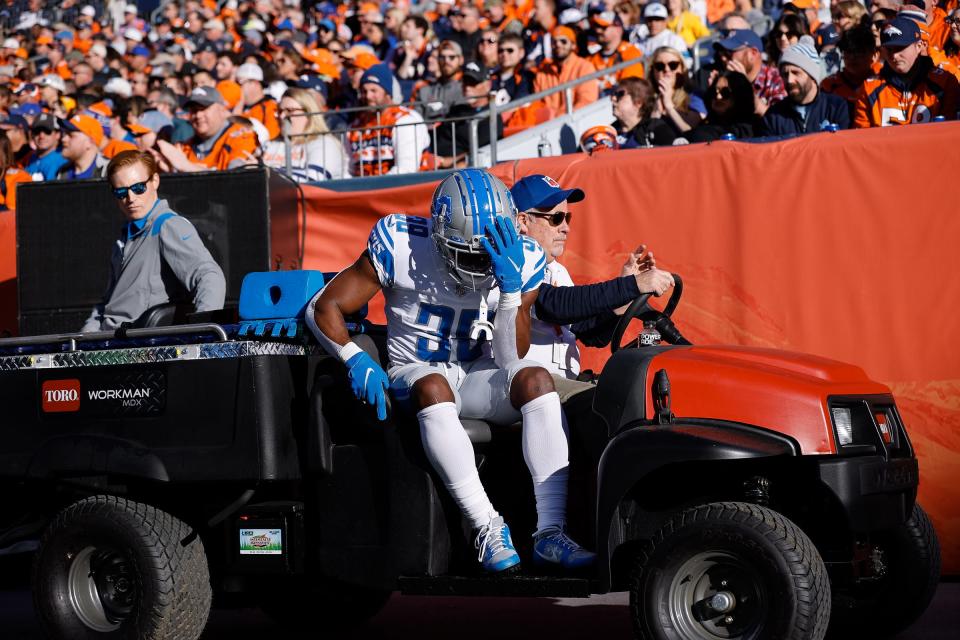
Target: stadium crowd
(339, 89)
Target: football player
(442, 278)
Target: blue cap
(379, 74)
(15, 120)
(827, 35)
(737, 39)
(314, 82)
(286, 25)
(327, 24)
(899, 32)
(541, 192)
(28, 109)
(140, 50)
(63, 35)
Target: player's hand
(369, 382)
(654, 281)
(506, 253)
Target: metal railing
(471, 155)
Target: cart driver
(544, 215)
(442, 278)
(158, 257)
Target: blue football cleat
(552, 547)
(496, 547)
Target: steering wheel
(639, 306)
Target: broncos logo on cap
(550, 181)
(892, 31)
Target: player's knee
(430, 390)
(530, 383)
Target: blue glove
(506, 253)
(369, 382)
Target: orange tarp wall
(840, 245)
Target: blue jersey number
(436, 347)
(413, 225)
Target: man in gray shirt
(158, 257)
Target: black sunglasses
(553, 218)
(619, 93)
(662, 66)
(724, 92)
(138, 189)
(507, 50)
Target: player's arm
(527, 300)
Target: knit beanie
(804, 55)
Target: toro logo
(58, 396)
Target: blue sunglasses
(138, 189)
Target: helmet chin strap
(481, 326)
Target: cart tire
(299, 604)
(729, 570)
(111, 568)
(881, 610)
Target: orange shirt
(233, 145)
(716, 9)
(624, 52)
(881, 104)
(839, 85)
(267, 112)
(550, 75)
(8, 190)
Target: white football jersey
(428, 315)
(554, 346)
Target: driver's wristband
(348, 350)
(509, 300)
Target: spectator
(536, 36)
(951, 48)
(165, 101)
(486, 52)
(466, 29)
(453, 140)
(46, 159)
(730, 110)
(10, 175)
(806, 109)
(410, 57)
(564, 66)
(909, 89)
(52, 87)
(614, 50)
(512, 80)
(684, 22)
(740, 52)
(785, 33)
(258, 105)
(629, 13)
(315, 154)
(827, 38)
(499, 19)
(217, 144)
(227, 64)
(436, 97)
(806, 9)
(848, 14)
(633, 102)
(861, 59)
(658, 35)
(391, 143)
(17, 130)
(82, 138)
(676, 105)
(154, 245)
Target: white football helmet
(463, 205)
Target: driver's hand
(654, 281)
(637, 262)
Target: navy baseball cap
(899, 32)
(542, 192)
(737, 39)
(314, 82)
(16, 121)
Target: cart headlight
(843, 421)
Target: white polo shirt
(554, 346)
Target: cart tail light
(886, 430)
(843, 420)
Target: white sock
(450, 452)
(546, 452)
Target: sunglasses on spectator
(662, 66)
(138, 189)
(618, 94)
(787, 34)
(952, 20)
(507, 50)
(724, 93)
(562, 41)
(489, 40)
(555, 219)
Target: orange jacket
(233, 144)
(934, 92)
(550, 74)
(372, 151)
(624, 52)
(8, 187)
(839, 85)
(267, 112)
